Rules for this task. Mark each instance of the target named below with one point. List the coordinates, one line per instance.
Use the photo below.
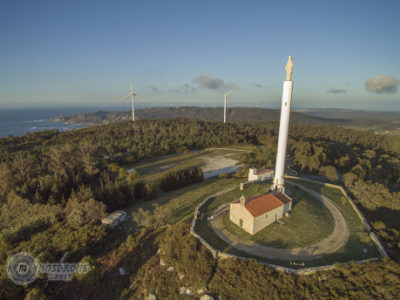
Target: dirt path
(330, 244)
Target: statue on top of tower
(289, 69)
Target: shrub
(181, 178)
(149, 191)
(378, 225)
(330, 173)
(94, 273)
(190, 258)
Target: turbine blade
(123, 98)
(141, 98)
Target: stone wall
(213, 251)
(303, 271)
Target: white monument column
(278, 184)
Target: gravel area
(219, 164)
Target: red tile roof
(285, 199)
(260, 204)
(263, 171)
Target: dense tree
(330, 173)
(55, 187)
(87, 153)
(181, 178)
(90, 211)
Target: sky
(83, 53)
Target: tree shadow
(390, 217)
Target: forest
(55, 187)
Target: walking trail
(336, 240)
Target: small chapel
(256, 213)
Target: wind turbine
(132, 95)
(225, 99)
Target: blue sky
(69, 53)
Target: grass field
(154, 168)
(359, 238)
(353, 250)
(151, 169)
(170, 207)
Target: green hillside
(235, 114)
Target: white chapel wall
(238, 212)
(252, 175)
(270, 217)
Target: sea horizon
(21, 120)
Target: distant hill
(350, 114)
(235, 114)
(375, 121)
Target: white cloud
(382, 84)
(211, 83)
(336, 91)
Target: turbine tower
(133, 101)
(132, 95)
(225, 99)
(278, 184)
(225, 103)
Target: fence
(303, 271)
(213, 251)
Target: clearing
(214, 161)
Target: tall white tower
(278, 184)
(133, 100)
(225, 98)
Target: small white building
(260, 175)
(256, 213)
(114, 219)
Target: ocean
(18, 121)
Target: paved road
(336, 240)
